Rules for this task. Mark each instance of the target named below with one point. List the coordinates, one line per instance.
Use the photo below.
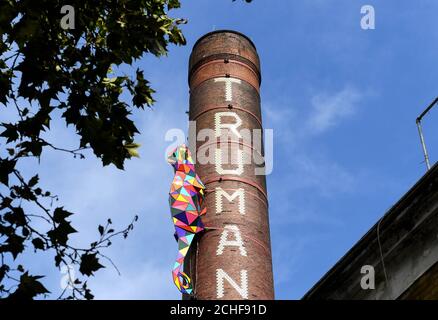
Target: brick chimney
(232, 259)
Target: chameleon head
(179, 157)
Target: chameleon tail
(180, 278)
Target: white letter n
(221, 275)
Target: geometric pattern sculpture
(186, 199)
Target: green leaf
(6, 203)
(59, 215)
(3, 270)
(38, 243)
(88, 294)
(173, 4)
(6, 168)
(58, 258)
(33, 181)
(14, 245)
(10, 133)
(132, 149)
(16, 217)
(29, 287)
(89, 264)
(60, 234)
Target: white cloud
(325, 176)
(295, 130)
(330, 109)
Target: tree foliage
(46, 71)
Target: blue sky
(342, 102)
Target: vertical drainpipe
(420, 131)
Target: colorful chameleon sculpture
(186, 199)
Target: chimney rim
(224, 31)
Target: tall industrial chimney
(232, 259)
